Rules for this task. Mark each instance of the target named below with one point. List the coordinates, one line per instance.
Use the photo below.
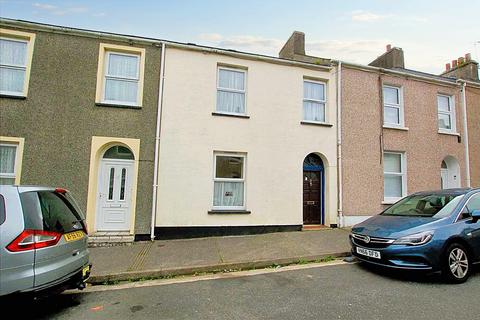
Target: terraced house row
(160, 139)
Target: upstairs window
(120, 75)
(15, 61)
(314, 101)
(446, 114)
(231, 84)
(392, 106)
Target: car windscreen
(425, 205)
(49, 211)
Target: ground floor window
(229, 181)
(394, 176)
(10, 160)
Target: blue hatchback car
(437, 231)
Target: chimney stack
(391, 59)
(462, 68)
(295, 45)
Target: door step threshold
(109, 239)
(312, 227)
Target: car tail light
(34, 239)
(61, 190)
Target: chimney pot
(454, 63)
(447, 67)
(468, 57)
(461, 61)
(389, 47)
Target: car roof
(28, 188)
(452, 192)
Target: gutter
(157, 143)
(465, 132)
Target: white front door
(114, 196)
(444, 177)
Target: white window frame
(399, 106)
(403, 174)
(29, 39)
(450, 113)
(215, 179)
(15, 163)
(135, 79)
(324, 101)
(244, 91)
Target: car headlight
(415, 239)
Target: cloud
(242, 43)
(366, 16)
(59, 11)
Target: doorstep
(313, 227)
(110, 238)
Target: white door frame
(126, 203)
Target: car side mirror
(475, 215)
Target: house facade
(78, 111)
(248, 143)
(158, 139)
(403, 131)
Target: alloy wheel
(458, 263)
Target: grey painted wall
(59, 117)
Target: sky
(430, 32)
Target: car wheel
(456, 264)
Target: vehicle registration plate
(86, 271)
(73, 236)
(369, 253)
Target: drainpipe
(465, 132)
(157, 143)
(341, 221)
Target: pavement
(168, 258)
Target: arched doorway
(450, 173)
(114, 189)
(313, 190)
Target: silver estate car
(43, 240)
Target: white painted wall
(273, 139)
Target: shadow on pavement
(410, 275)
(28, 307)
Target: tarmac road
(342, 291)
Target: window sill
(11, 96)
(315, 123)
(229, 212)
(449, 133)
(394, 128)
(112, 105)
(221, 114)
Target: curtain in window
(11, 80)
(229, 99)
(13, 53)
(121, 90)
(314, 111)
(7, 159)
(233, 102)
(228, 194)
(313, 91)
(393, 186)
(122, 66)
(231, 79)
(391, 115)
(13, 60)
(121, 83)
